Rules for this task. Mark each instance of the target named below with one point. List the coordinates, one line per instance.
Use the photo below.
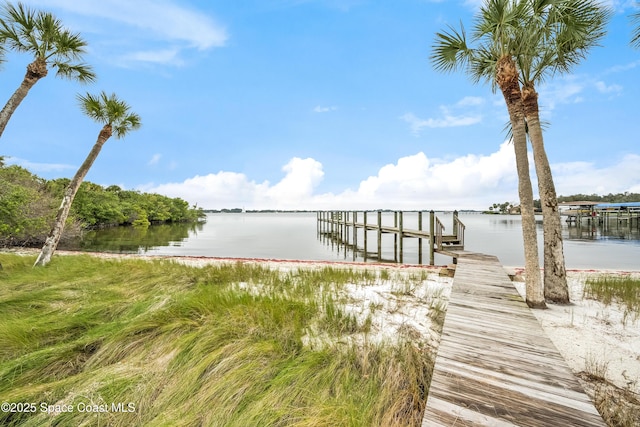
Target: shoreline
(511, 270)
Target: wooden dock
(342, 227)
(495, 365)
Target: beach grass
(115, 342)
(622, 290)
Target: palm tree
(555, 36)
(117, 120)
(491, 60)
(42, 35)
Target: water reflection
(607, 231)
(134, 239)
(294, 236)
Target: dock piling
(335, 225)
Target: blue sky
(315, 104)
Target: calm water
(294, 236)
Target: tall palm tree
(491, 60)
(555, 36)
(42, 35)
(118, 120)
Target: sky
(316, 104)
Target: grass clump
(616, 289)
(155, 343)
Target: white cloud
(414, 181)
(38, 167)
(165, 56)
(155, 159)
(623, 67)
(302, 176)
(448, 120)
(465, 112)
(474, 181)
(321, 109)
(565, 90)
(587, 178)
(154, 21)
(470, 101)
(608, 89)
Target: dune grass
(616, 289)
(130, 342)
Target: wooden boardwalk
(495, 365)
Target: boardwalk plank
(495, 365)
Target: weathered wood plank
(495, 365)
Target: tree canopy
(28, 206)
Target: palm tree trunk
(555, 273)
(35, 71)
(51, 243)
(507, 79)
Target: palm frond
(43, 35)
(635, 35)
(130, 122)
(69, 45)
(108, 109)
(17, 23)
(508, 130)
(483, 66)
(92, 106)
(450, 50)
(559, 35)
(2, 53)
(82, 73)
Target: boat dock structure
(606, 214)
(495, 366)
(342, 228)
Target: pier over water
(341, 228)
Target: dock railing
(439, 233)
(459, 228)
(342, 227)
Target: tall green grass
(616, 289)
(217, 346)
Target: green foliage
(28, 207)
(609, 198)
(502, 208)
(111, 111)
(614, 289)
(220, 345)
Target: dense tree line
(609, 198)
(28, 207)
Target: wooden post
(420, 239)
(455, 231)
(379, 235)
(364, 219)
(401, 239)
(395, 237)
(355, 233)
(432, 227)
(455, 225)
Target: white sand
(591, 336)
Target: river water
(294, 236)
